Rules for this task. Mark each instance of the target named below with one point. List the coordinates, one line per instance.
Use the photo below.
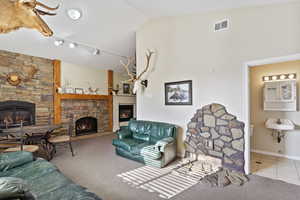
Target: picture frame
(69, 90)
(126, 88)
(179, 93)
(79, 91)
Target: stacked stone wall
(39, 90)
(214, 132)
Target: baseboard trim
(275, 154)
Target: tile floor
(276, 168)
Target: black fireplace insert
(86, 125)
(125, 113)
(12, 113)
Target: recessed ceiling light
(74, 14)
(58, 42)
(72, 45)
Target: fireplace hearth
(12, 113)
(86, 125)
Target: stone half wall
(214, 132)
(38, 91)
(76, 109)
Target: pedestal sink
(278, 126)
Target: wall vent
(221, 25)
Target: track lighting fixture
(58, 42)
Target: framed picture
(69, 90)
(179, 93)
(79, 91)
(126, 88)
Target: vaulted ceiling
(109, 25)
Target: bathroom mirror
(280, 95)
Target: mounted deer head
(136, 80)
(15, 78)
(15, 14)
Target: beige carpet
(96, 166)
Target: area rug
(166, 182)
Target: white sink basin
(280, 124)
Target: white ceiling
(106, 24)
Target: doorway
(263, 160)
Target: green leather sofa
(151, 143)
(24, 177)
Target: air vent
(221, 25)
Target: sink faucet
(279, 121)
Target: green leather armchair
(151, 143)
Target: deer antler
(47, 7)
(41, 12)
(126, 66)
(148, 56)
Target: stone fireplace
(34, 101)
(88, 116)
(215, 133)
(30, 101)
(12, 113)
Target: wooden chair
(9, 143)
(63, 139)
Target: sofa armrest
(164, 143)
(14, 159)
(124, 132)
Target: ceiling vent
(221, 25)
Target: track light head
(58, 42)
(96, 52)
(72, 45)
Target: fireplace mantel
(83, 96)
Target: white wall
(188, 48)
(262, 139)
(84, 77)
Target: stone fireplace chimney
(215, 133)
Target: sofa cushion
(48, 183)
(151, 131)
(14, 159)
(127, 144)
(161, 131)
(124, 132)
(140, 131)
(68, 192)
(137, 149)
(32, 170)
